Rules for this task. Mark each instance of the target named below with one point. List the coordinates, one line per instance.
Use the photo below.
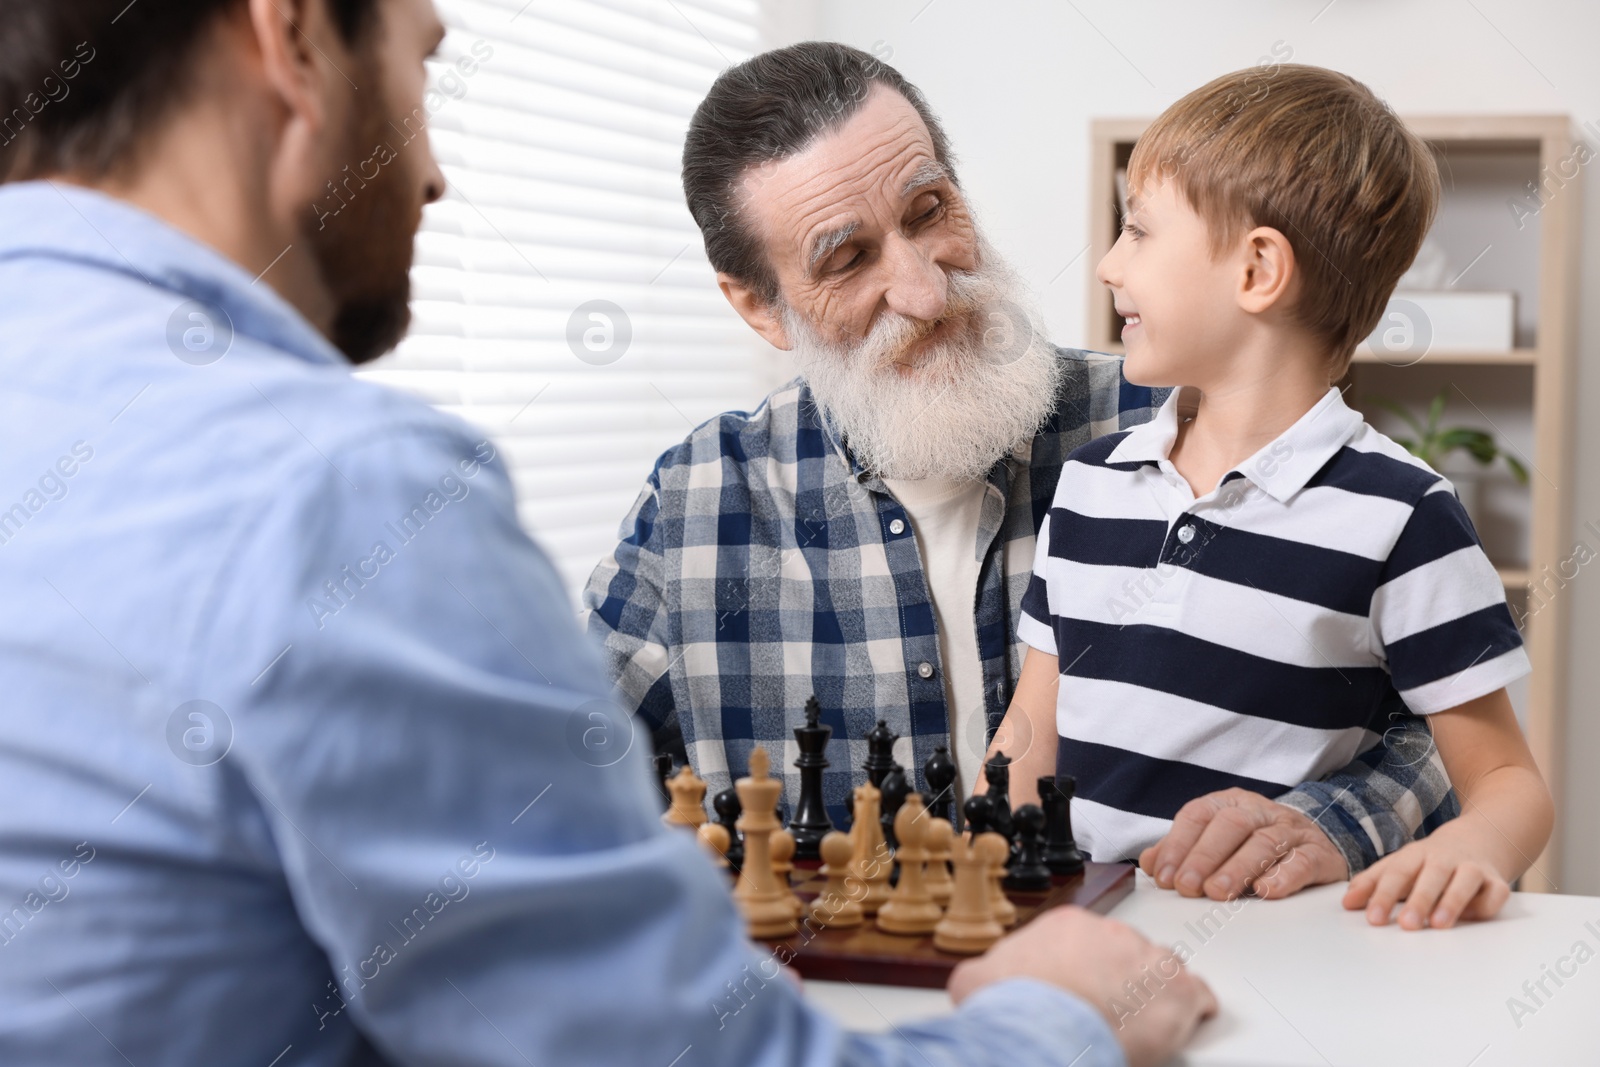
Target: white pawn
(833, 906)
(938, 843)
(1005, 912)
(782, 848)
(714, 837)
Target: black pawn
(998, 771)
(663, 772)
(1028, 873)
(895, 791)
(811, 823)
(940, 773)
(978, 810)
(726, 805)
(880, 753)
(1061, 853)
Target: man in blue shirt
(304, 760)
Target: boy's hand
(1439, 878)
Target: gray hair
(768, 108)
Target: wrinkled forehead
(855, 179)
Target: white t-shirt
(944, 515)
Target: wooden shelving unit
(1518, 149)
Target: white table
(1301, 981)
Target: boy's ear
(1269, 269)
(762, 317)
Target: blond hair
(1315, 155)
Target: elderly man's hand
(1226, 842)
(1095, 958)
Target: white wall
(1017, 81)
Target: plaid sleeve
(624, 607)
(1396, 791)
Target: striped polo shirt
(1248, 637)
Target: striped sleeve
(1034, 624)
(1439, 614)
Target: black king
(811, 823)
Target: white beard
(967, 400)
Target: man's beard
(967, 400)
(365, 251)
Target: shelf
(1514, 577)
(1517, 357)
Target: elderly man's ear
(763, 317)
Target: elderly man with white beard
(866, 533)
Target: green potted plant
(1433, 443)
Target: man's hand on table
(1226, 842)
(1092, 957)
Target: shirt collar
(833, 435)
(61, 221)
(1279, 469)
(1150, 442)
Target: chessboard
(914, 886)
(869, 955)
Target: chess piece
(998, 771)
(894, 791)
(940, 774)
(811, 823)
(782, 849)
(910, 908)
(1028, 874)
(1061, 853)
(663, 762)
(769, 908)
(726, 805)
(880, 753)
(688, 807)
(938, 841)
(979, 811)
(1005, 912)
(833, 906)
(871, 861)
(715, 839)
(969, 927)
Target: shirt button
(925, 669)
(1186, 534)
(898, 527)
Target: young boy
(1222, 596)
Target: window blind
(561, 296)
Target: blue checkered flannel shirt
(762, 563)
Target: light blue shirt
(303, 759)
